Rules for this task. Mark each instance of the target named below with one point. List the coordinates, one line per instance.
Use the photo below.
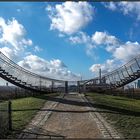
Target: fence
(129, 92)
(13, 92)
(5, 118)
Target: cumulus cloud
(69, 17)
(111, 5)
(83, 38)
(95, 40)
(95, 67)
(80, 38)
(13, 32)
(121, 52)
(104, 38)
(10, 53)
(14, 44)
(127, 51)
(53, 69)
(127, 8)
(108, 66)
(12, 38)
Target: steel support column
(66, 86)
(78, 86)
(52, 86)
(84, 88)
(100, 76)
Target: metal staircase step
(5, 73)
(135, 74)
(1, 70)
(9, 76)
(29, 85)
(18, 80)
(14, 78)
(23, 83)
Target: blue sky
(70, 39)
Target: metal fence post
(10, 115)
(78, 86)
(66, 86)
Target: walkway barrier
(117, 78)
(23, 78)
(5, 118)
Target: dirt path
(68, 117)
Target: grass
(21, 116)
(24, 109)
(123, 113)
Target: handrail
(23, 69)
(132, 65)
(118, 77)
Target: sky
(70, 40)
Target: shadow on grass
(109, 108)
(115, 109)
(67, 111)
(122, 99)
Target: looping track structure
(23, 78)
(119, 77)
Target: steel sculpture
(117, 78)
(23, 78)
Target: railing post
(100, 76)
(10, 115)
(126, 70)
(78, 86)
(123, 74)
(66, 86)
(84, 88)
(118, 74)
(137, 62)
(40, 82)
(52, 86)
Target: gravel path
(67, 117)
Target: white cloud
(12, 38)
(34, 63)
(121, 52)
(13, 33)
(95, 67)
(83, 38)
(80, 38)
(37, 49)
(104, 38)
(69, 17)
(127, 51)
(111, 5)
(95, 40)
(108, 66)
(14, 45)
(57, 63)
(10, 53)
(54, 68)
(127, 8)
